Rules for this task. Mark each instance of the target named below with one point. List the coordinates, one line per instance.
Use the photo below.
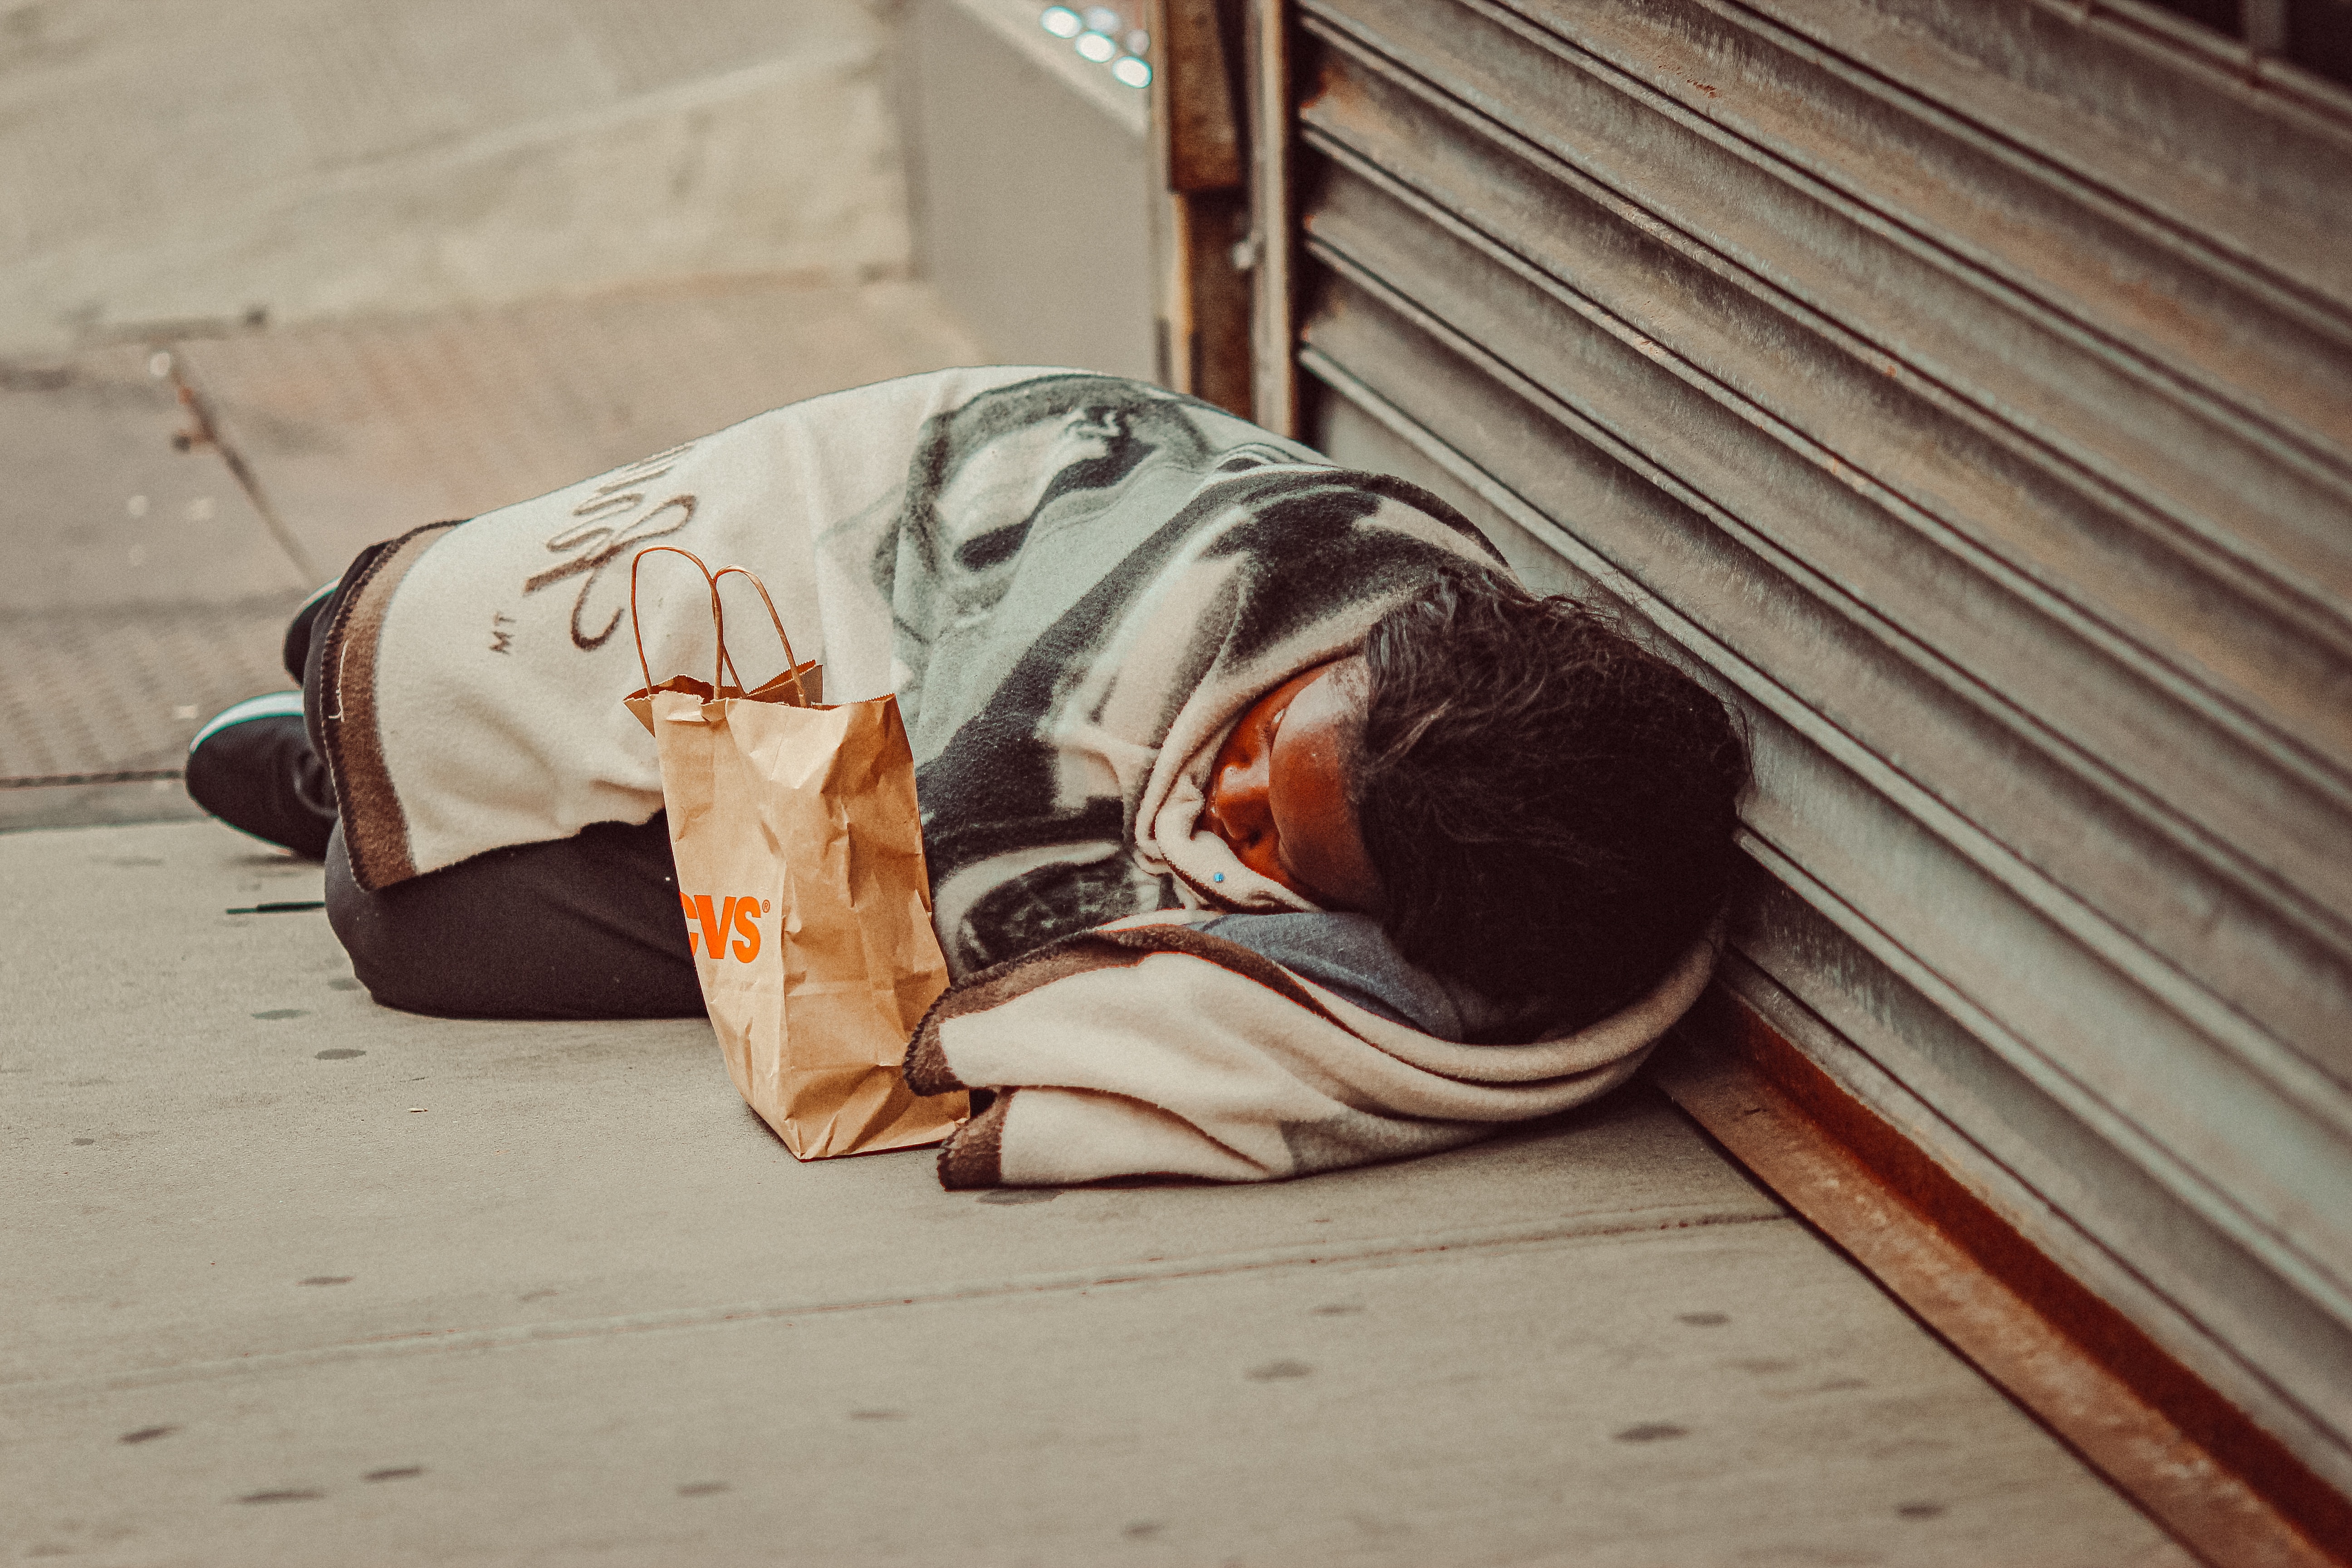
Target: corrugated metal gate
(1967, 389)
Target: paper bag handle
(792, 659)
(724, 662)
(718, 614)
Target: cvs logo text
(738, 916)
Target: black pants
(585, 927)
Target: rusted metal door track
(2229, 1490)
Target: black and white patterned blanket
(1074, 583)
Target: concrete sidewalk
(294, 1279)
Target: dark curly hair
(1550, 805)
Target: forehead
(1324, 704)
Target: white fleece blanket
(1150, 1048)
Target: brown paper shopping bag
(800, 865)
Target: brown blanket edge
(375, 830)
(973, 1155)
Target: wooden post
(1201, 206)
(1274, 364)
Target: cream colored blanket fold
(1148, 1047)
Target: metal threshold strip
(2226, 1489)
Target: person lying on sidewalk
(1160, 670)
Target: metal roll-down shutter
(1967, 391)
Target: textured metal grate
(362, 430)
(88, 695)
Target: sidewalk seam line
(1151, 1271)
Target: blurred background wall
(175, 168)
(1030, 174)
(173, 164)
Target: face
(1278, 790)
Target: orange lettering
(714, 924)
(747, 929)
